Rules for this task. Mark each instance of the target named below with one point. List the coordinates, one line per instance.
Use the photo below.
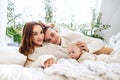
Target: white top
(93, 44)
(42, 54)
(102, 57)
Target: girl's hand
(49, 62)
(82, 46)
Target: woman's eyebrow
(34, 32)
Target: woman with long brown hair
(32, 39)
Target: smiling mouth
(40, 40)
(72, 57)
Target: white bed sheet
(66, 69)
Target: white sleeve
(87, 56)
(39, 62)
(93, 44)
(41, 59)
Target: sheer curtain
(79, 10)
(3, 21)
(63, 10)
(33, 10)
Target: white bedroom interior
(110, 10)
(12, 62)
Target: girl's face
(38, 35)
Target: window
(64, 11)
(68, 13)
(78, 10)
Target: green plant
(48, 11)
(14, 33)
(13, 26)
(91, 29)
(95, 26)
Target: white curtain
(3, 21)
(79, 10)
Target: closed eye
(48, 40)
(52, 34)
(73, 52)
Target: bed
(65, 70)
(11, 67)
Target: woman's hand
(82, 46)
(49, 62)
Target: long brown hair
(27, 46)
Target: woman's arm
(41, 61)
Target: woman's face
(52, 36)
(38, 35)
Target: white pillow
(115, 41)
(11, 55)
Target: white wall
(110, 15)
(3, 21)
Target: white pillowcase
(11, 55)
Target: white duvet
(65, 69)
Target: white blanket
(87, 70)
(115, 41)
(66, 69)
